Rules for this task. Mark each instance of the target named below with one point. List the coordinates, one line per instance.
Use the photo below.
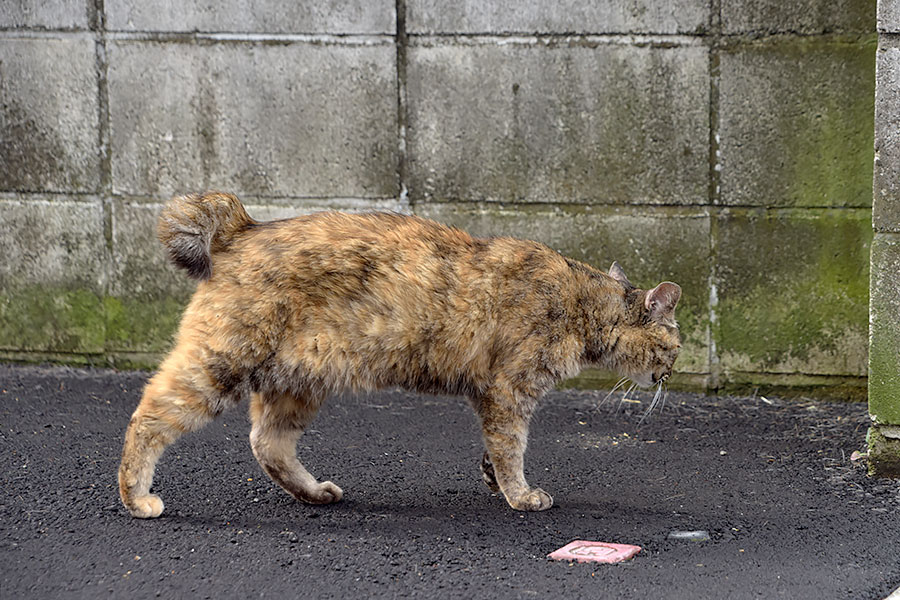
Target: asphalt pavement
(788, 507)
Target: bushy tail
(195, 226)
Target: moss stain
(829, 146)
(797, 293)
(44, 319)
(141, 325)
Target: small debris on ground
(699, 535)
(602, 552)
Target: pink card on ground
(601, 552)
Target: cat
(289, 311)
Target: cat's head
(648, 341)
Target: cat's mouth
(643, 380)
(647, 380)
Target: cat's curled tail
(195, 226)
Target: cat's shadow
(428, 515)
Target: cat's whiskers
(625, 396)
(653, 402)
(612, 391)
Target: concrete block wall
(724, 145)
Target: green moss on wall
(796, 122)
(141, 325)
(884, 378)
(884, 452)
(44, 318)
(829, 146)
(793, 291)
(68, 323)
(884, 346)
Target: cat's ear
(661, 301)
(617, 273)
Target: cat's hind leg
(171, 405)
(278, 422)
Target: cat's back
(335, 259)
(385, 248)
(326, 239)
(339, 229)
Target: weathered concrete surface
(583, 123)
(49, 121)
(269, 16)
(265, 209)
(792, 291)
(884, 308)
(792, 133)
(566, 16)
(884, 341)
(798, 16)
(49, 14)
(886, 207)
(889, 16)
(52, 275)
(652, 245)
(292, 119)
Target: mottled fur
(288, 312)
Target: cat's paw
(146, 507)
(325, 493)
(532, 500)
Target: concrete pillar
(884, 313)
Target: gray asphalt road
(789, 514)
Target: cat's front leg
(504, 425)
(487, 473)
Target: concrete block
(652, 245)
(884, 453)
(803, 16)
(886, 197)
(796, 123)
(49, 139)
(889, 16)
(266, 16)
(792, 290)
(46, 14)
(884, 330)
(291, 119)
(52, 276)
(581, 123)
(267, 210)
(565, 16)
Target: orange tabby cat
(290, 311)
